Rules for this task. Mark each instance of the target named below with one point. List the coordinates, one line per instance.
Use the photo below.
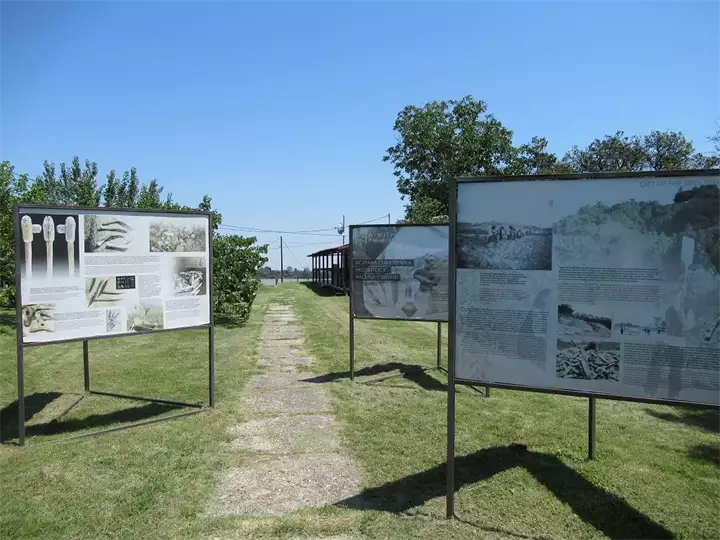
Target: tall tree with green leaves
(446, 139)
(656, 151)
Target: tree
(442, 140)
(76, 186)
(715, 139)
(657, 151)
(447, 139)
(237, 262)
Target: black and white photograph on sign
(496, 245)
(146, 315)
(104, 291)
(178, 234)
(589, 360)
(635, 260)
(50, 246)
(38, 318)
(106, 233)
(635, 321)
(584, 320)
(400, 272)
(189, 276)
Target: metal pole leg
(86, 365)
(352, 344)
(591, 428)
(21, 394)
(211, 364)
(439, 345)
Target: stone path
(300, 463)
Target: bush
(237, 262)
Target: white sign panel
(87, 274)
(607, 286)
(400, 272)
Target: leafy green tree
(74, 186)
(447, 139)
(237, 263)
(657, 151)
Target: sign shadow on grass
(57, 426)
(605, 511)
(412, 372)
(705, 419)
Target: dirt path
(299, 462)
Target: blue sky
(282, 111)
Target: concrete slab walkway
(300, 462)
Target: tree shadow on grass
(8, 319)
(603, 510)
(411, 372)
(229, 321)
(55, 427)
(705, 419)
(706, 452)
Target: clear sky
(282, 111)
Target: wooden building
(331, 268)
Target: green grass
(146, 482)
(656, 473)
(657, 470)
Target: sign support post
(439, 345)
(86, 365)
(352, 339)
(452, 300)
(591, 428)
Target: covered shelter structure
(331, 268)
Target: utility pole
(282, 266)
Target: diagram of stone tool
(48, 230)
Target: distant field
(657, 472)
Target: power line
(273, 231)
(293, 255)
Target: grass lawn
(657, 472)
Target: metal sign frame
(351, 310)
(20, 345)
(452, 263)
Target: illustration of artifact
(409, 308)
(26, 226)
(107, 234)
(69, 231)
(37, 318)
(49, 235)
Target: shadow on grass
(705, 419)
(34, 403)
(411, 372)
(7, 319)
(229, 321)
(606, 512)
(706, 452)
(320, 290)
(54, 427)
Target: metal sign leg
(21, 394)
(86, 365)
(450, 496)
(211, 364)
(352, 343)
(591, 428)
(439, 345)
